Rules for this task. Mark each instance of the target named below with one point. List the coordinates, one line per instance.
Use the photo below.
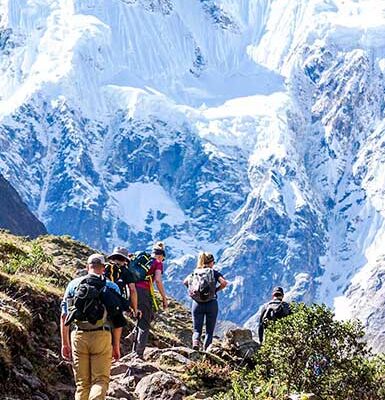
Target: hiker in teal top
(203, 286)
(89, 335)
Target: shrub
(206, 373)
(309, 351)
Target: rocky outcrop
(177, 372)
(15, 215)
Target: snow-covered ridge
(250, 128)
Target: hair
(159, 245)
(158, 249)
(204, 259)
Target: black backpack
(87, 303)
(202, 285)
(118, 274)
(274, 310)
(140, 264)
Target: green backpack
(140, 264)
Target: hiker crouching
(91, 326)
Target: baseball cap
(96, 259)
(278, 291)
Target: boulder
(160, 386)
(172, 359)
(122, 389)
(238, 345)
(136, 369)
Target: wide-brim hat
(120, 252)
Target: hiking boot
(139, 356)
(196, 345)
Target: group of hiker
(94, 307)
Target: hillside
(33, 274)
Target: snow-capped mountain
(250, 128)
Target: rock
(122, 389)
(26, 364)
(118, 369)
(52, 327)
(237, 344)
(172, 359)
(155, 353)
(32, 381)
(40, 396)
(136, 369)
(235, 337)
(160, 386)
(64, 391)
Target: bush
(207, 374)
(309, 351)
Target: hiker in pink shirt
(146, 301)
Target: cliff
(15, 215)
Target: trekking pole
(136, 330)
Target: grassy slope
(33, 275)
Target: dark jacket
(283, 311)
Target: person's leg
(81, 364)
(145, 306)
(197, 313)
(100, 357)
(211, 320)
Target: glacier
(253, 129)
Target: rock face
(15, 215)
(251, 129)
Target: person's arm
(260, 325)
(159, 284)
(286, 308)
(116, 334)
(222, 283)
(65, 330)
(65, 339)
(134, 299)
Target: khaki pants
(92, 356)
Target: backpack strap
(152, 294)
